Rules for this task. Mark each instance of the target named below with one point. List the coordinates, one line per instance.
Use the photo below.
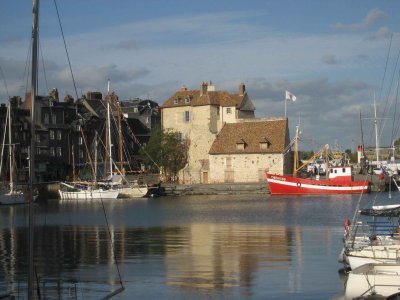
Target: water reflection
(182, 247)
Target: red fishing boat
(337, 180)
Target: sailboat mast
(10, 153)
(376, 133)
(109, 128)
(121, 165)
(35, 37)
(296, 150)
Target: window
(80, 140)
(187, 116)
(52, 152)
(81, 154)
(187, 100)
(59, 152)
(265, 145)
(135, 109)
(58, 134)
(240, 146)
(46, 118)
(37, 138)
(52, 134)
(228, 110)
(228, 162)
(180, 136)
(53, 119)
(147, 120)
(176, 101)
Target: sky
(336, 57)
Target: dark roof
(193, 98)
(251, 134)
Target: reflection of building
(225, 255)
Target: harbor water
(246, 246)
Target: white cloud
(373, 16)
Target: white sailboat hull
(389, 254)
(88, 194)
(373, 279)
(13, 198)
(132, 192)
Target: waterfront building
(65, 131)
(243, 150)
(200, 116)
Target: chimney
(203, 88)
(242, 89)
(28, 100)
(183, 88)
(211, 87)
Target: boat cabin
(340, 173)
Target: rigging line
(387, 61)
(27, 67)
(66, 50)
(44, 69)
(395, 111)
(5, 82)
(397, 94)
(388, 93)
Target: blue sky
(333, 55)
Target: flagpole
(285, 107)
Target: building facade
(201, 116)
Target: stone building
(243, 151)
(200, 116)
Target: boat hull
(132, 192)
(288, 185)
(373, 279)
(88, 194)
(13, 198)
(388, 254)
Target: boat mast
(376, 133)
(10, 153)
(296, 149)
(3, 144)
(121, 165)
(35, 37)
(109, 127)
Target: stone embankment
(216, 189)
(258, 188)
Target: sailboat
(11, 195)
(88, 191)
(118, 181)
(339, 179)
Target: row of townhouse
(227, 143)
(65, 133)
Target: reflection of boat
(339, 180)
(11, 195)
(373, 279)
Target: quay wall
(50, 190)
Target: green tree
(304, 155)
(165, 152)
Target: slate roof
(193, 98)
(274, 132)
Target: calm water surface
(187, 247)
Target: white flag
(290, 96)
